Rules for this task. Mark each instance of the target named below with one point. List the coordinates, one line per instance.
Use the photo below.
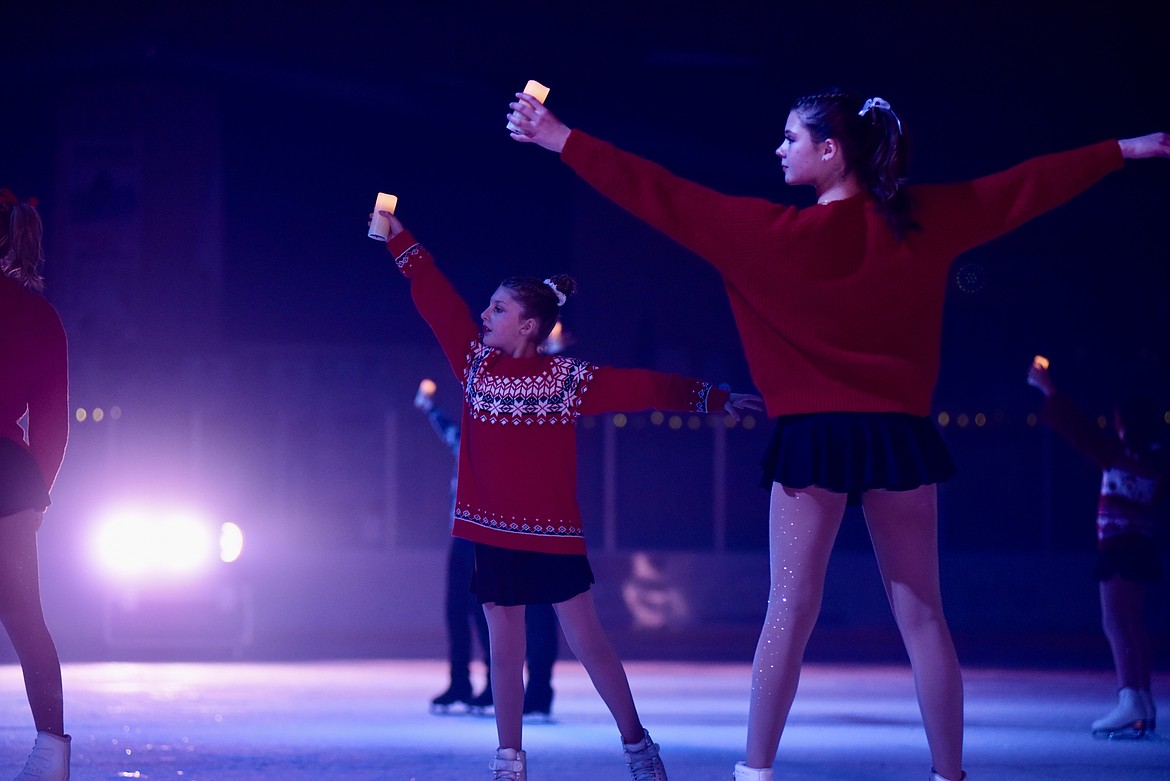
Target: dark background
(302, 337)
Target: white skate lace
(506, 769)
(645, 764)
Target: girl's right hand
(395, 224)
(1038, 378)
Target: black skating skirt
(1136, 562)
(21, 485)
(516, 577)
(854, 452)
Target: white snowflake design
(553, 396)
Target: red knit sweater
(34, 376)
(834, 314)
(518, 452)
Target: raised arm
(437, 301)
(1066, 419)
(722, 229)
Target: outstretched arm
(437, 301)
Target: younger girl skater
(33, 380)
(1133, 496)
(517, 493)
(839, 307)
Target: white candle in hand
(536, 90)
(379, 225)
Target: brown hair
(876, 149)
(538, 300)
(21, 234)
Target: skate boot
(745, 773)
(642, 757)
(934, 776)
(455, 693)
(482, 702)
(1151, 711)
(49, 760)
(509, 765)
(537, 709)
(1127, 721)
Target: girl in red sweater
(839, 307)
(1131, 504)
(33, 381)
(516, 497)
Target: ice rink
(369, 720)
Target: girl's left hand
(537, 125)
(738, 403)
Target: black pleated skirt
(854, 452)
(515, 577)
(21, 484)
(1137, 562)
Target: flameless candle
(379, 225)
(536, 90)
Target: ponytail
(23, 253)
(876, 148)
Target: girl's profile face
(504, 326)
(800, 156)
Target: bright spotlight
(231, 542)
(136, 542)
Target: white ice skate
(49, 760)
(934, 776)
(745, 773)
(643, 759)
(1127, 721)
(509, 765)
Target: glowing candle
(379, 225)
(536, 90)
(1040, 362)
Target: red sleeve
(968, 214)
(634, 390)
(725, 230)
(48, 405)
(437, 301)
(1101, 445)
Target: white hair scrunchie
(883, 104)
(561, 297)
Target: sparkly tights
(903, 527)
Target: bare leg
(20, 612)
(904, 528)
(1121, 616)
(506, 632)
(587, 640)
(802, 525)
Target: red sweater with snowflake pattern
(835, 315)
(518, 451)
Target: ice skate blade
(1136, 731)
(454, 709)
